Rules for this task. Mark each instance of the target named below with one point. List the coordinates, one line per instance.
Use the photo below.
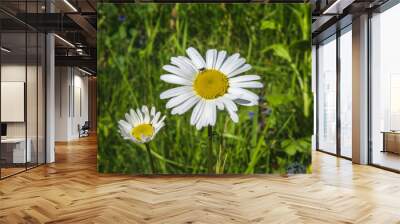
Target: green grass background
(136, 40)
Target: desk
(391, 141)
(16, 147)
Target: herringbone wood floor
(71, 191)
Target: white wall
(16, 73)
(11, 73)
(33, 126)
(61, 103)
(71, 102)
(80, 110)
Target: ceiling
(75, 22)
(332, 15)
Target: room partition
(22, 77)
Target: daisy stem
(150, 157)
(210, 149)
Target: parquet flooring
(11, 170)
(71, 191)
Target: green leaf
(268, 24)
(281, 50)
(277, 99)
(292, 146)
(234, 137)
(289, 146)
(300, 45)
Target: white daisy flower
(141, 126)
(208, 85)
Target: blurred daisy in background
(209, 84)
(141, 126)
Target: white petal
(240, 70)
(247, 84)
(234, 116)
(160, 121)
(125, 125)
(156, 125)
(234, 65)
(208, 116)
(197, 59)
(157, 129)
(196, 111)
(123, 131)
(189, 62)
(129, 119)
(199, 125)
(211, 57)
(202, 117)
(179, 72)
(231, 108)
(244, 102)
(231, 59)
(229, 104)
(220, 104)
(146, 113)
(181, 109)
(155, 118)
(205, 116)
(243, 94)
(134, 117)
(244, 78)
(174, 79)
(153, 111)
(140, 115)
(220, 59)
(145, 108)
(187, 68)
(241, 101)
(213, 113)
(179, 99)
(175, 92)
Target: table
(16, 147)
(391, 141)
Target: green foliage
(136, 40)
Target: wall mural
(204, 88)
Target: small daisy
(208, 85)
(141, 126)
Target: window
(327, 95)
(385, 89)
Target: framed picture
(204, 88)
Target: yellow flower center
(211, 84)
(145, 130)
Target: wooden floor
(387, 159)
(5, 172)
(71, 191)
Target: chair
(84, 130)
